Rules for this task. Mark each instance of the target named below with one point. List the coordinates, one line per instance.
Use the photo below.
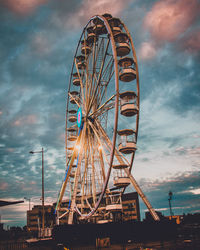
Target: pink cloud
(168, 19)
(147, 51)
(22, 7)
(90, 8)
(29, 120)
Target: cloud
(191, 42)
(168, 19)
(26, 120)
(147, 51)
(195, 191)
(3, 185)
(190, 151)
(88, 8)
(22, 7)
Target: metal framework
(102, 120)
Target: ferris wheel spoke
(118, 155)
(99, 77)
(102, 145)
(96, 48)
(84, 181)
(104, 107)
(91, 147)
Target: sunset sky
(37, 45)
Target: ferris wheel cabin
(81, 61)
(98, 27)
(72, 118)
(127, 72)
(115, 25)
(128, 106)
(122, 45)
(127, 143)
(72, 134)
(121, 181)
(85, 47)
(76, 80)
(91, 34)
(74, 97)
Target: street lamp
(34, 152)
(170, 206)
(28, 199)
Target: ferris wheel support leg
(141, 194)
(132, 179)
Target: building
(130, 205)
(34, 217)
(128, 209)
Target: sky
(37, 45)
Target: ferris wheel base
(117, 233)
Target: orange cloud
(168, 19)
(23, 7)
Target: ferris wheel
(102, 120)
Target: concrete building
(34, 217)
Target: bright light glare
(100, 147)
(77, 147)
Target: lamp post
(33, 152)
(28, 199)
(170, 206)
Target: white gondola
(128, 106)
(122, 44)
(127, 72)
(127, 143)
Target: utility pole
(170, 207)
(43, 212)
